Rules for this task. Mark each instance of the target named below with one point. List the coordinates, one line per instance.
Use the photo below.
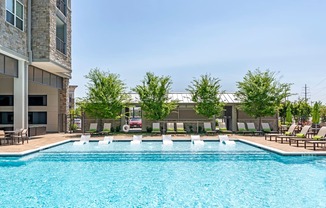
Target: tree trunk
(214, 123)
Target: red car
(135, 123)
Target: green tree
(323, 113)
(106, 95)
(301, 110)
(316, 113)
(260, 93)
(283, 110)
(288, 118)
(205, 93)
(154, 96)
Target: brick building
(35, 63)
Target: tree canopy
(301, 110)
(154, 96)
(261, 93)
(285, 111)
(106, 95)
(316, 113)
(288, 117)
(205, 93)
(323, 113)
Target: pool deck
(48, 140)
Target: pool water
(150, 175)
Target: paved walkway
(49, 139)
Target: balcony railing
(61, 45)
(61, 5)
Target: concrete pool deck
(48, 140)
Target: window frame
(31, 115)
(61, 41)
(10, 116)
(14, 13)
(44, 99)
(11, 100)
(65, 4)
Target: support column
(21, 97)
(123, 117)
(234, 118)
(63, 123)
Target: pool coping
(281, 152)
(271, 149)
(27, 152)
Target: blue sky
(185, 39)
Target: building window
(62, 6)
(37, 100)
(15, 13)
(61, 36)
(6, 100)
(6, 118)
(37, 118)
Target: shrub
(73, 127)
(149, 129)
(191, 129)
(200, 129)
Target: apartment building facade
(35, 63)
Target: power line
(320, 82)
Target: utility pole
(305, 92)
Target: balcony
(62, 6)
(61, 45)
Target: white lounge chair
(167, 139)
(224, 139)
(300, 136)
(242, 128)
(287, 133)
(195, 139)
(137, 139)
(92, 128)
(208, 128)
(106, 128)
(84, 139)
(267, 129)
(170, 128)
(222, 128)
(180, 128)
(156, 128)
(106, 140)
(252, 129)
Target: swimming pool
(150, 175)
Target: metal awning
(228, 98)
